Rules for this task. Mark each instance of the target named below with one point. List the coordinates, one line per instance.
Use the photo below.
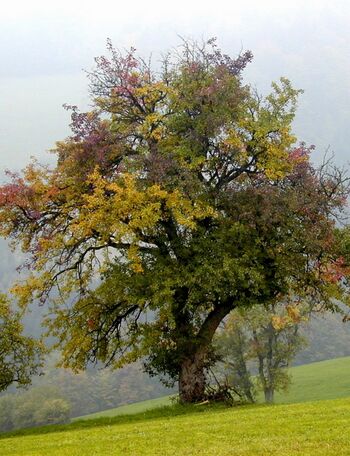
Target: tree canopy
(181, 196)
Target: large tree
(178, 198)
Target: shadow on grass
(166, 412)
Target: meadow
(319, 427)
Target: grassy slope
(312, 428)
(323, 380)
(315, 428)
(137, 407)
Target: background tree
(36, 407)
(262, 341)
(233, 350)
(6, 413)
(20, 356)
(75, 394)
(53, 411)
(177, 199)
(275, 343)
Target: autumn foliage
(20, 356)
(181, 196)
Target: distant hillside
(310, 382)
(317, 381)
(327, 337)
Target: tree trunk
(192, 368)
(242, 369)
(270, 380)
(269, 395)
(192, 380)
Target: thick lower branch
(211, 323)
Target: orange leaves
(278, 322)
(292, 317)
(293, 313)
(334, 271)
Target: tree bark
(269, 395)
(242, 370)
(192, 368)
(271, 380)
(192, 379)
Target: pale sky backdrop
(45, 45)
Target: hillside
(292, 429)
(283, 429)
(316, 381)
(131, 409)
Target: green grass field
(304, 428)
(131, 409)
(316, 428)
(323, 380)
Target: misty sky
(45, 45)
